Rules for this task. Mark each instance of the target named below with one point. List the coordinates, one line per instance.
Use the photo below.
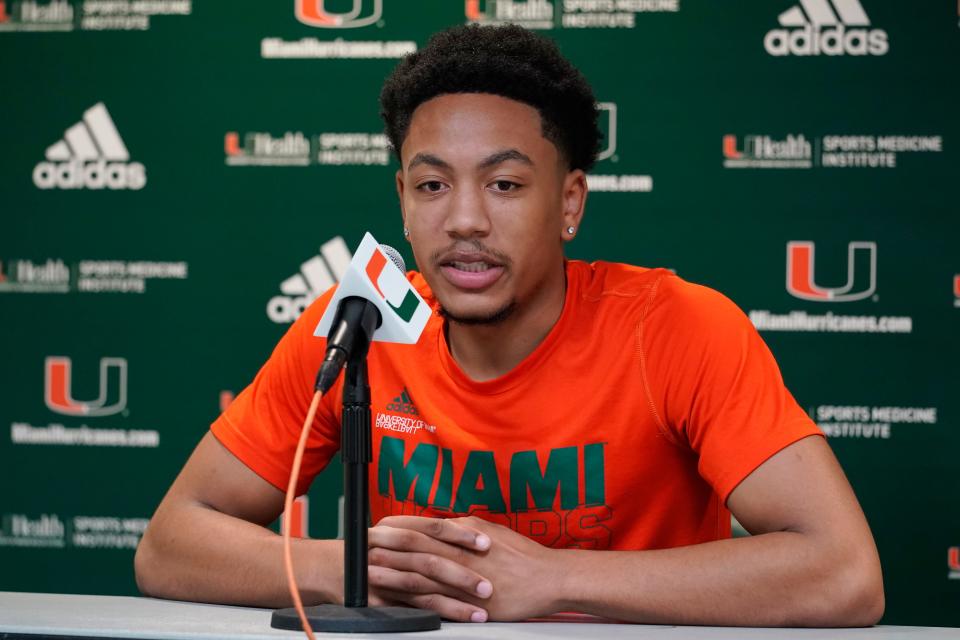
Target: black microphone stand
(356, 450)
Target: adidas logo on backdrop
(826, 27)
(91, 155)
(317, 274)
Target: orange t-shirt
(648, 402)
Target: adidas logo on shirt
(403, 404)
(91, 155)
(316, 275)
(826, 27)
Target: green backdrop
(169, 172)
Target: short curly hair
(508, 61)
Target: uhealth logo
(766, 152)
(316, 275)
(91, 155)
(55, 15)
(861, 273)
(111, 398)
(826, 27)
(261, 148)
(362, 13)
(533, 14)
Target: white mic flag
(374, 277)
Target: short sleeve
(262, 425)
(713, 384)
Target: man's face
(486, 199)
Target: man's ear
(574, 201)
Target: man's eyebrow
(503, 156)
(427, 158)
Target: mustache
(474, 247)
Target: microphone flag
(373, 276)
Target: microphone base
(336, 618)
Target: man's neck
(485, 352)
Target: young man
(581, 429)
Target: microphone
(374, 301)
(357, 318)
(362, 309)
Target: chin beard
(496, 317)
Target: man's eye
(432, 186)
(505, 185)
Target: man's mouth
(471, 267)
(470, 271)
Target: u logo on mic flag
(410, 303)
(373, 276)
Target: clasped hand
(465, 569)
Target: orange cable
(288, 511)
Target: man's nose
(467, 216)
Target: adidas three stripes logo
(91, 155)
(316, 275)
(826, 27)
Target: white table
(56, 615)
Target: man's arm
(811, 561)
(208, 540)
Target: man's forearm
(193, 552)
(775, 579)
